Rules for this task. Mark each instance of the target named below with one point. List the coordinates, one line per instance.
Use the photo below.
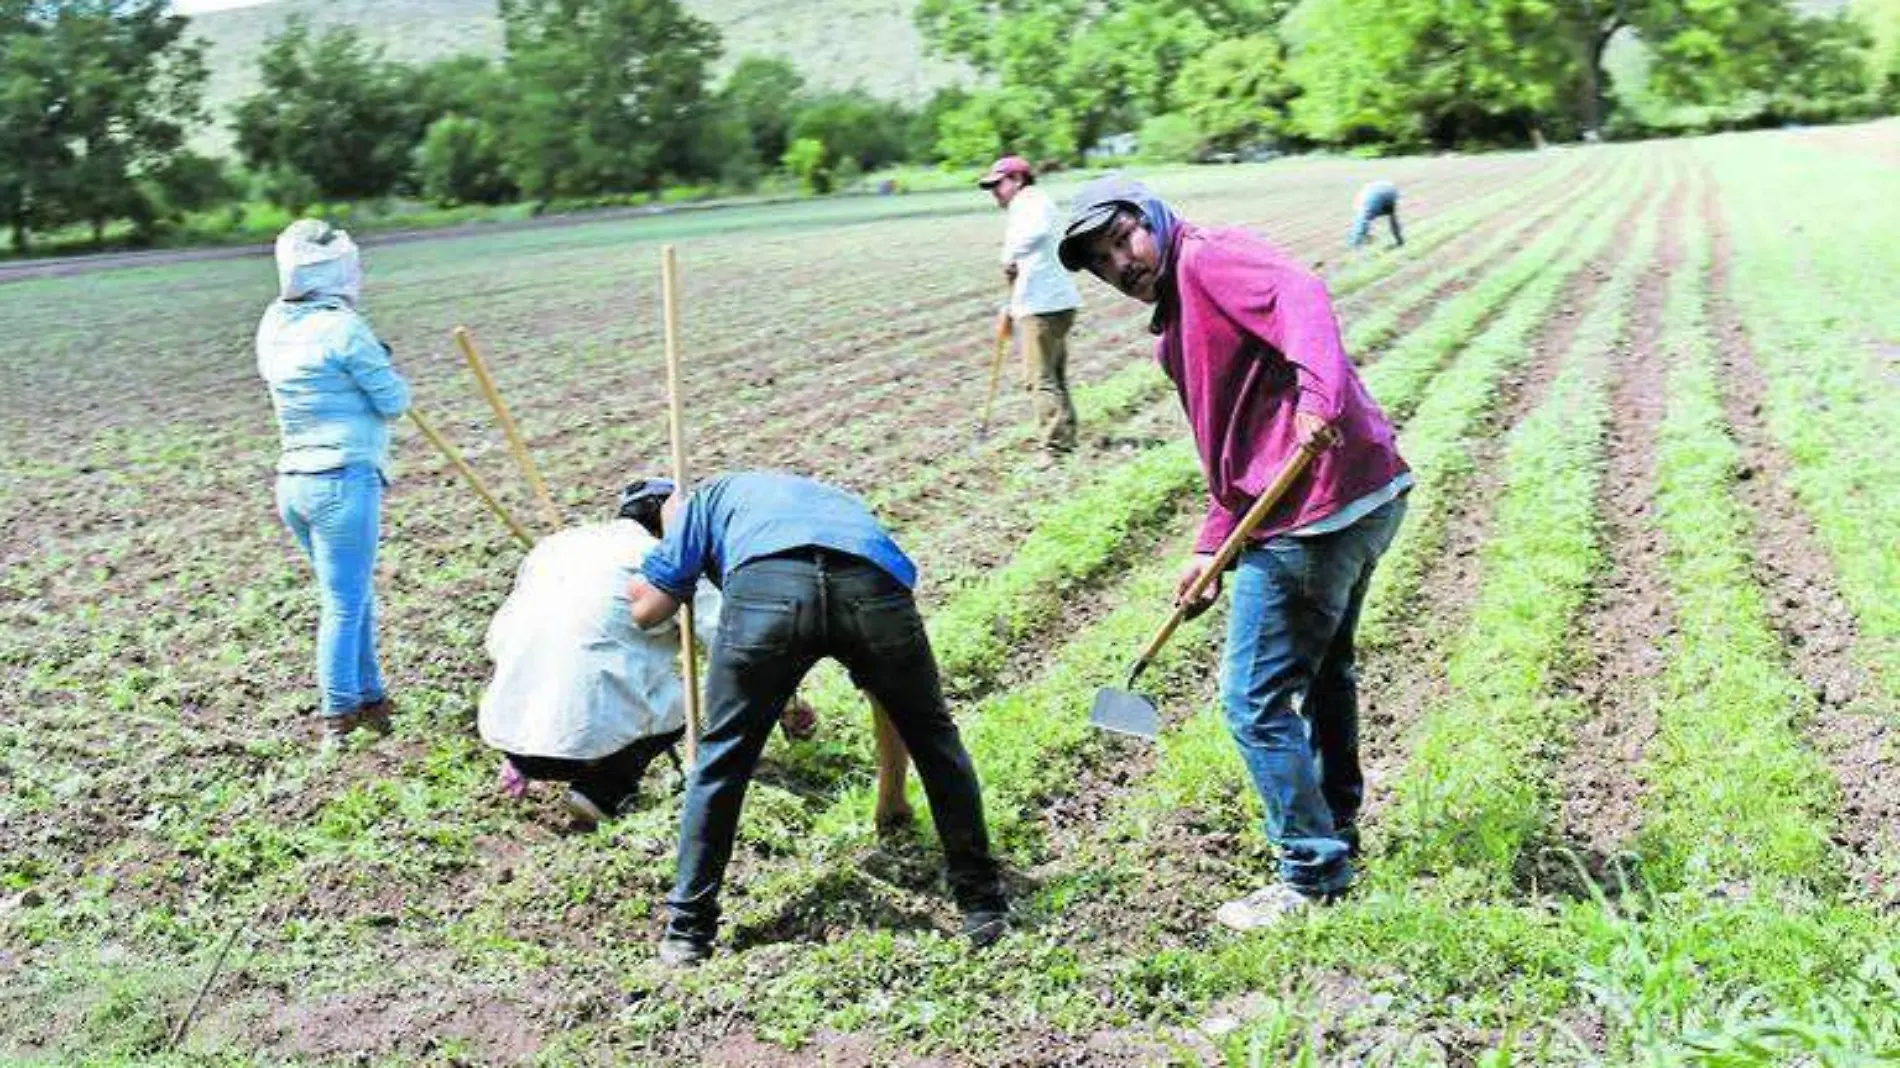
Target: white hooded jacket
(574, 676)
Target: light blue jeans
(1290, 691)
(334, 516)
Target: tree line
(602, 97)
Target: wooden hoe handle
(468, 475)
(1290, 473)
(676, 427)
(549, 513)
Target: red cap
(1007, 167)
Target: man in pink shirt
(1249, 338)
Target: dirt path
(1628, 621)
(1853, 726)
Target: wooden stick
(1004, 323)
(469, 476)
(217, 966)
(676, 426)
(1295, 467)
(549, 512)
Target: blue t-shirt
(733, 519)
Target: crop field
(1631, 673)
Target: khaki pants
(1045, 341)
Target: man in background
(1042, 299)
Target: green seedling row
(1476, 791)
(1453, 224)
(1810, 279)
(1398, 379)
(1735, 796)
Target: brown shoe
(374, 716)
(336, 729)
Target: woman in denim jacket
(335, 394)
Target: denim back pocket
(889, 624)
(748, 624)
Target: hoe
(1127, 712)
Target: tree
(460, 161)
(95, 99)
(854, 126)
(1015, 120)
(1417, 72)
(1103, 67)
(805, 159)
(765, 93)
(1236, 93)
(1169, 139)
(331, 110)
(1881, 18)
(609, 94)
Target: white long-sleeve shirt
(574, 676)
(1029, 242)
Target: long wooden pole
(1295, 467)
(676, 427)
(468, 475)
(549, 513)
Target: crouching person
(807, 573)
(580, 694)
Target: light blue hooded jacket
(331, 382)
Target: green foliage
(1169, 138)
(1417, 72)
(1236, 92)
(1012, 120)
(1763, 816)
(1881, 20)
(460, 161)
(95, 99)
(805, 159)
(1476, 793)
(855, 127)
(764, 93)
(333, 118)
(609, 95)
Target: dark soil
(1853, 725)
(1627, 624)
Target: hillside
(837, 43)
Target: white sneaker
(1265, 908)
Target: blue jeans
(781, 615)
(1290, 692)
(1373, 208)
(334, 516)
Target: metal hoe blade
(1125, 713)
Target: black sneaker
(1349, 834)
(983, 927)
(678, 951)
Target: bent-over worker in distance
(807, 573)
(1375, 200)
(1249, 339)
